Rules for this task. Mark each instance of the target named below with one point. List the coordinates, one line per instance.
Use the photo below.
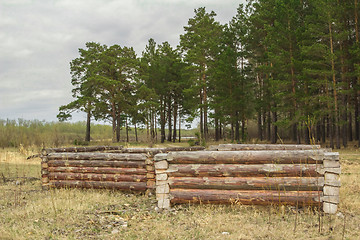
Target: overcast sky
(39, 38)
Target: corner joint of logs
(162, 184)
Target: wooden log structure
(261, 174)
(112, 167)
(80, 169)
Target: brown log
(249, 183)
(236, 170)
(153, 151)
(303, 198)
(100, 170)
(96, 163)
(133, 186)
(96, 177)
(248, 157)
(244, 147)
(81, 149)
(97, 156)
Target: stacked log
(111, 167)
(244, 147)
(97, 170)
(292, 177)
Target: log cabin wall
(295, 175)
(110, 167)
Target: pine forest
(290, 67)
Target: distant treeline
(291, 66)
(14, 133)
(40, 134)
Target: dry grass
(27, 212)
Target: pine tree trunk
(179, 127)
(136, 133)
(175, 121)
(269, 125)
(237, 127)
(162, 120)
(350, 127)
(336, 111)
(88, 125)
(118, 126)
(260, 131)
(323, 130)
(113, 115)
(127, 129)
(169, 120)
(274, 128)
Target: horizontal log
(100, 170)
(133, 186)
(248, 157)
(249, 183)
(153, 151)
(304, 198)
(96, 163)
(97, 156)
(81, 149)
(96, 177)
(236, 170)
(244, 147)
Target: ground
(27, 212)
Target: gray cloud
(39, 39)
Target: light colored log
(150, 184)
(161, 177)
(329, 208)
(96, 177)
(249, 183)
(331, 199)
(81, 149)
(161, 182)
(236, 170)
(97, 156)
(150, 175)
(164, 203)
(133, 186)
(332, 170)
(332, 179)
(102, 170)
(163, 189)
(302, 198)
(331, 191)
(244, 147)
(150, 168)
(163, 164)
(332, 156)
(96, 163)
(160, 156)
(247, 157)
(331, 164)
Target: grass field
(27, 212)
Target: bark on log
(236, 170)
(97, 156)
(81, 149)
(96, 177)
(248, 157)
(153, 151)
(96, 163)
(244, 147)
(304, 198)
(100, 170)
(131, 186)
(248, 183)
